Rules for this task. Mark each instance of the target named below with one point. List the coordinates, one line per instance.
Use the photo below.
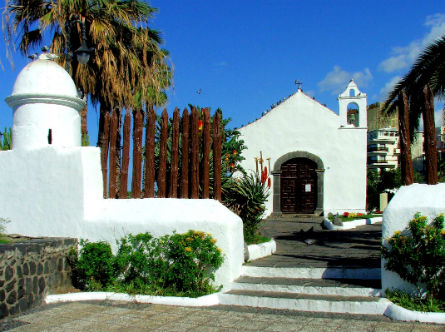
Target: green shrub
(246, 197)
(177, 264)
(93, 268)
(418, 254)
(416, 303)
(6, 142)
(3, 221)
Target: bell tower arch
(352, 105)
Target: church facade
(317, 158)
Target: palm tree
(424, 81)
(117, 29)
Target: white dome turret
(46, 106)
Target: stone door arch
(285, 170)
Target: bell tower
(352, 105)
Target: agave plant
(246, 197)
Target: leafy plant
(6, 142)
(416, 303)
(246, 197)
(418, 254)
(177, 264)
(3, 221)
(93, 268)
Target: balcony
(377, 149)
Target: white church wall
(302, 124)
(423, 198)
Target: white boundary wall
(57, 191)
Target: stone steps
(308, 289)
(312, 272)
(310, 286)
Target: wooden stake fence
(174, 164)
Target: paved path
(358, 247)
(115, 316)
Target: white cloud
(337, 79)
(403, 57)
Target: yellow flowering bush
(417, 254)
(176, 264)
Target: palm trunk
(406, 162)
(429, 131)
(83, 121)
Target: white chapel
(317, 157)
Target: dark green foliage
(381, 182)
(6, 139)
(418, 254)
(93, 269)
(177, 264)
(416, 303)
(246, 197)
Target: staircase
(338, 290)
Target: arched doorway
(298, 184)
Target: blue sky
(246, 55)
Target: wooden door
(298, 183)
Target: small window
(351, 93)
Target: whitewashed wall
(57, 191)
(302, 124)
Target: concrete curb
(256, 251)
(351, 224)
(396, 312)
(207, 300)
(392, 310)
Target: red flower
(268, 182)
(199, 124)
(235, 153)
(346, 214)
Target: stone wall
(30, 270)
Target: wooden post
(137, 153)
(206, 154)
(217, 156)
(149, 184)
(185, 155)
(125, 156)
(113, 163)
(104, 152)
(406, 162)
(194, 162)
(173, 192)
(430, 144)
(162, 173)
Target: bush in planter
(93, 267)
(182, 264)
(177, 264)
(246, 197)
(418, 254)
